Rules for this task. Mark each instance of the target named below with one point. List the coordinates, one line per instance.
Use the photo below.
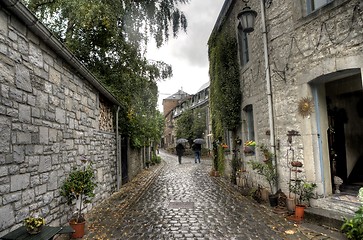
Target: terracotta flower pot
(296, 164)
(299, 211)
(78, 229)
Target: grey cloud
(201, 19)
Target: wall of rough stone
(301, 48)
(49, 118)
(136, 161)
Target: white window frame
(311, 4)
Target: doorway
(344, 101)
(124, 160)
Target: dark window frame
(244, 57)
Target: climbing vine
(225, 84)
(225, 94)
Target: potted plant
(34, 225)
(266, 153)
(78, 188)
(269, 171)
(249, 147)
(303, 191)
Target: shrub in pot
(303, 191)
(78, 189)
(268, 170)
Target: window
(249, 126)
(243, 46)
(313, 5)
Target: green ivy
(225, 94)
(220, 159)
(225, 84)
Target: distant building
(169, 105)
(179, 102)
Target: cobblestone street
(181, 201)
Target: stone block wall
(301, 48)
(49, 119)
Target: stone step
(331, 211)
(325, 217)
(341, 203)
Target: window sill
(319, 12)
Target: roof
(204, 86)
(178, 95)
(222, 14)
(33, 23)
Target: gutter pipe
(268, 86)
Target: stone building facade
(302, 77)
(52, 113)
(169, 105)
(174, 108)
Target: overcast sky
(188, 54)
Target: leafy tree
(199, 124)
(191, 124)
(184, 125)
(110, 38)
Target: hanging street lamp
(247, 18)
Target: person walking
(197, 148)
(179, 151)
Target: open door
(345, 132)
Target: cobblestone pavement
(172, 201)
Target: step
(325, 217)
(341, 203)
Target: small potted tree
(79, 188)
(303, 191)
(268, 170)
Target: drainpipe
(118, 153)
(268, 86)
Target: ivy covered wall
(225, 94)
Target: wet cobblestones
(172, 201)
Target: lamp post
(247, 18)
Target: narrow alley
(181, 201)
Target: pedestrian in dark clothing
(197, 148)
(179, 151)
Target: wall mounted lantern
(247, 18)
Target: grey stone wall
(135, 162)
(301, 48)
(49, 118)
